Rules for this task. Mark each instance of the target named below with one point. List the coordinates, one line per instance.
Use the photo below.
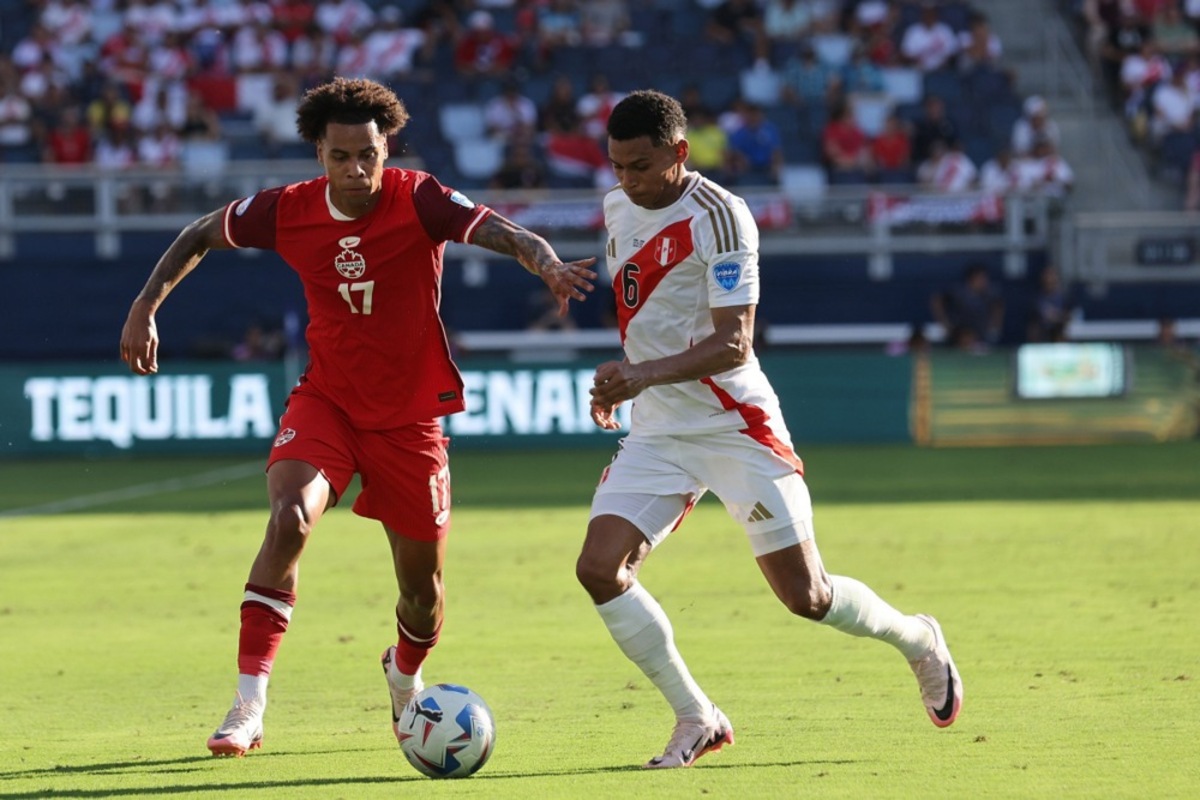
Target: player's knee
(290, 525)
(808, 600)
(422, 595)
(602, 581)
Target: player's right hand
(605, 417)
(569, 280)
(139, 342)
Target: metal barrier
(1100, 249)
(875, 221)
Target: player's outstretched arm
(139, 337)
(568, 281)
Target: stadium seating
(447, 133)
(478, 159)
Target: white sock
(253, 687)
(641, 629)
(858, 611)
(402, 680)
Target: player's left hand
(616, 382)
(569, 280)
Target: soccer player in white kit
(683, 255)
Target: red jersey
(70, 147)
(377, 347)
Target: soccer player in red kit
(367, 243)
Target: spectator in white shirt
(510, 115)
(1173, 108)
(1045, 171)
(595, 106)
(33, 49)
(999, 173)
(787, 20)
(313, 53)
(259, 48)
(978, 45)
(947, 169)
(160, 147)
(1034, 124)
(929, 43)
(162, 104)
(71, 20)
(152, 19)
(391, 49)
(16, 114)
(345, 20)
(1140, 72)
(275, 119)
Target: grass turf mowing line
(85, 502)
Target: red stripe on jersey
(691, 503)
(756, 425)
(638, 277)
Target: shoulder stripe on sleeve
(719, 211)
(484, 213)
(712, 219)
(225, 225)
(727, 212)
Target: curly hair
(349, 101)
(648, 113)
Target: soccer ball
(447, 731)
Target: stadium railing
(809, 217)
(802, 217)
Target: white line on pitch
(84, 501)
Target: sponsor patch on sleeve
(727, 274)
(461, 199)
(242, 206)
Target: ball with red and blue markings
(447, 731)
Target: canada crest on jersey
(350, 263)
(665, 249)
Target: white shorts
(654, 481)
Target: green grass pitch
(1067, 581)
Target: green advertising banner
(99, 409)
(215, 407)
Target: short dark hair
(349, 101)
(648, 113)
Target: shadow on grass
(188, 764)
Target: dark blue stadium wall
(63, 303)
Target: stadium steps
(1110, 172)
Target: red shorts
(405, 472)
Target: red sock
(265, 616)
(411, 650)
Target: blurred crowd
(872, 91)
(1148, 55)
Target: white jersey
(669, 268)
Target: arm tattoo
(507, 238)
(192, 244)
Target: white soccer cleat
(690, 740)
(400, 697)
(241, 731)
(941, 687)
